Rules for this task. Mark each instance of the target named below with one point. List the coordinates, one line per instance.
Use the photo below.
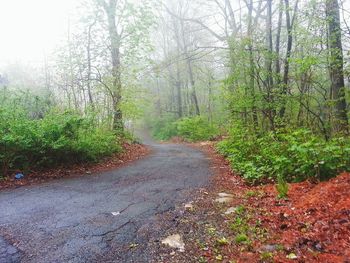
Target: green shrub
(294, 155)
(164, 129)
(190, 128)
(95, 145)
(242, 239)
(196, 129)
(58, 138)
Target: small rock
(231, 210)
(269, 248)
(175, 241)
(225, 195)
(223, 199)
(189, 206)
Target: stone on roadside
(231, 210)
(189, 206)
(224, 198)
(224, 195)
(174, 241)
(269, 248)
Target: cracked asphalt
(71, 220)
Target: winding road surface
(71, 220)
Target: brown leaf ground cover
(130, 153)
(312, 225)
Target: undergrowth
(286, 155)
(56, 138)
(191, 129)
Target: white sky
(31, 28)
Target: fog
(31, 29)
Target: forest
(270, 78)
(241, 106)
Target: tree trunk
(285, 81)
(190, 71)
(178, 94)
(336, 65)
(88, 49)
(268, 66)
(278, 43)
(252, 66)
(110, 10)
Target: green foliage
(222, 241)
(245, 229)
(282, 187)
(196, 129)
(252, 193)
(266, 256)
(58, 138)
(293, 155)
(242, 239)
(240, 209)
(164, 128)
(190, 128)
